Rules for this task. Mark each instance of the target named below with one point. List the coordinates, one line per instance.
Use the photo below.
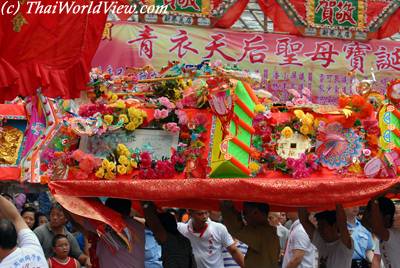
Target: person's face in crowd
(274, 218)
(57, 218)
(29, 218)
(61, 249)
(352, 212)
(292, 215)
(43, 220)
(283, 217)
(215, 216)
(199, 216)
(328, 232)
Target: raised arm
(376, 221)
(153, 221)
(341, 223)
(10, 212)
(305, 221)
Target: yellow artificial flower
(307, 121)
(113, 98)
(120, 104)
(108, 118)
(124, 118)
(254, 167)
(121, 169)
(133, 163)
(259, 108)
(299, 114)
(105, 163)
(111, 167)
(100, 173)
(131, 126)
(305, 129)
(355, 168)
(109, 175)
(122, 150)
(103, 88)
(123, 160)
(189, 82)
(287, 132)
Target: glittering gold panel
(10, 143)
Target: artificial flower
(122, 169)
(287, 132)
(87, 163)
(254, 167)
(259, 108)
(105, 163)
(367, 152)
(123, 160)
(299, 114)
(305, 129)
(306, 91)
(109, 175)
(299, 102)
(108, 118)
(77, 155)
(182, 116)
(164, 101)
(355, 168)
(123, 118)
(133, 163)
(145, 160)
(136, 113)
(113, 98)
(160, 114)
(131, 126)
(294, 93)
(171, 127)
(120, 104)
(100, 173)
(123, 150)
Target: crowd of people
(252, 237)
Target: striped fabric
(229, 262)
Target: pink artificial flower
(299, 101)
(294, 93)
(183, 118)
(77, 155)
(306, 91)
(289, 104)
(87, 163)
(171, 127)
(166, 103)
(161, 114)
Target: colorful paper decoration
(230, 154)
(337, 147)
(294, 146)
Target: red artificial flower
(145, 160)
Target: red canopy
(205, 193)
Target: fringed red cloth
(52, 52)
(281, 193)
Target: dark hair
(122, 206)
(8, 234)
(58, 237)
(28, 209)
(262, 207)
(328, 215)
(7, 195)
(57, 206)
(386, 206)
(168, 221)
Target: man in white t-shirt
(299, 252)
(379, 217)
(208, 239)
(27, 252)
(335, 249)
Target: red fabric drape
(232, 14)
(282, 193)
(51, 51)
(282, 23)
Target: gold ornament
(10, 143)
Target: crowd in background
(253, 237)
